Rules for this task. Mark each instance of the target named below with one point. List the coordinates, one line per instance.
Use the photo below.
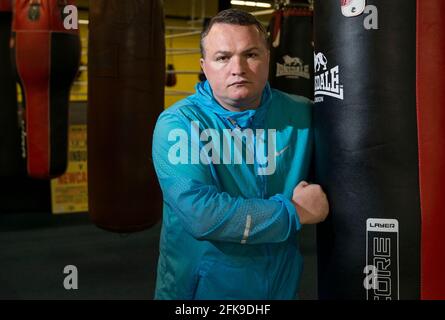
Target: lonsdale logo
(293, 68)
(327, 81)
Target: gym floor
(36, 247)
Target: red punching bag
(380, 150)
(46, 57)
(126, 77)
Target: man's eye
(222, 58)
(252, 55)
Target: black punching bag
(291, 50)
(379, 148)
(11, 162)
(126, 79)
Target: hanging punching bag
(125, 96)
(170, 79)
(46, 58)
(379, 148)
(291, 50)
(11, 162)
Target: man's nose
(238, 66)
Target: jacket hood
(204, 99)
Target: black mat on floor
(35, 248)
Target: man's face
(236, 64)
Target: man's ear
(203, 67)
(201, 62)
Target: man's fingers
(302, 184)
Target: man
(231, 160)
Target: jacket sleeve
(205, 212)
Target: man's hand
(311, 203)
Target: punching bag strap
(278, 14)
(301, 11)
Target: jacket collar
(204, 99)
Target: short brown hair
(236, 17)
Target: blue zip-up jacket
(229, 228)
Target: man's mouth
(239, 83)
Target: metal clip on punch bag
(378, 123)
(46, 57)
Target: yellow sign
(69, 192)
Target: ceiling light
(251, 4)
